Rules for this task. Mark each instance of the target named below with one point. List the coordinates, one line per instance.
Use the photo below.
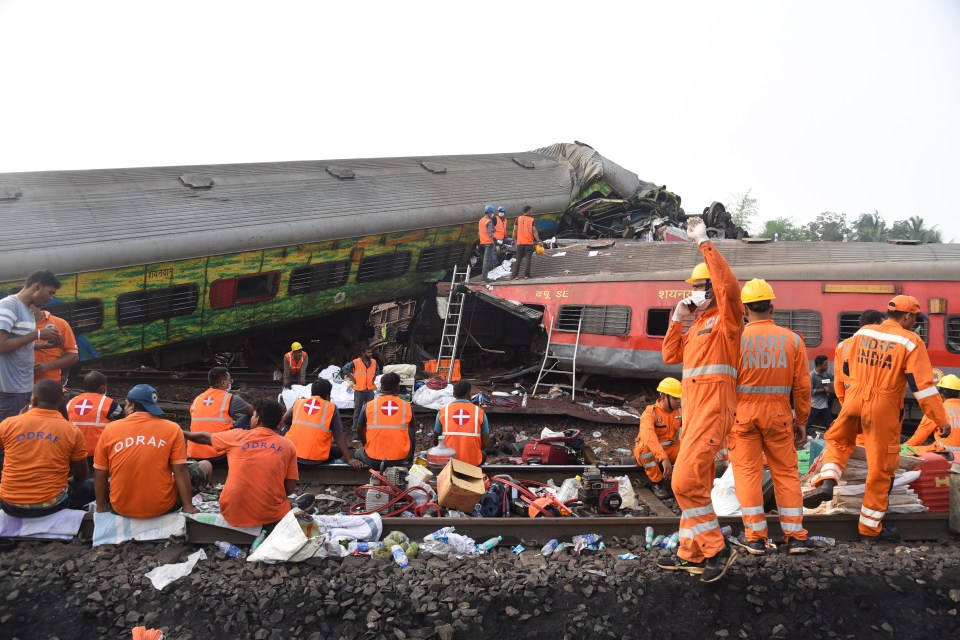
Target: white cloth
(165, 574)
(331, 373)
(433, 398)
(288, 543)
(724, 495)
(341, 394)
(62, 525)
(109, 528)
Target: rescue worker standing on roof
(883, 359)
(658, 441)
(487, 228)
(500, 224)
(295, 363)
(524, 236)
(773, 365)
(950, 391)
(710, 352)
(361, 372)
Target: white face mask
(229, 386)
(699, 297)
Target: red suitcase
(551, 450)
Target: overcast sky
(815, 106)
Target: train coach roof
(75, 221)
(608, 260)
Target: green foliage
(914, 228)
(743, 209)
(829, 227)
(870, 227)
(783, 229)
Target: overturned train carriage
(160, 259)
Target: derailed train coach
(161, 259)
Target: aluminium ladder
(451, 323)
(558, 362)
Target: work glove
(684, 308)
(697, 230)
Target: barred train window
(922, 329)
(83, 316)
(605, 321)
(384, 266)
(156, 304)
(319, 277)
(806, 323)
(849, 323)
(952, 327)
(442, 257)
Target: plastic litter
(231, 550)
(455, 545)
(648, 537)
(489, 544)
(163, 575)
(550, 547)
(830, 542)
(517, 550)
(399, 556)
(627, 556)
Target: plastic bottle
(438, 457)
(672, 541)
(440, 535)
(259, 540)
(489, 544)
(656, 541)
(231, 550)
(526, 398)
(648, 537)
(824, 539)
(399, 556)
(588, 538)
(550, 547)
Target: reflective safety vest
(88, 411)
(462, 424)
(500, 228)
(209, 412)
(485, 237)
(310, 430)
(295, 363)
(524, 229)
(388, 419)
(364, 375)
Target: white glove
(697, 230)
(683, 309)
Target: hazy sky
(815, 106)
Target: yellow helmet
(539, 250)
(949, 381)
(700, 272)
(296, 346)
(670, 386)
(756, 291)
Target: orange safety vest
(500, 228)
(485, 237)
(295, 364)
(364, 375)
(461, 423)
(310, 430)
(388, 419)
(88, 412)
(209, 412)
(524, 230)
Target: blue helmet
(488, 209)
(502, 208)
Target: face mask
(699, 297)
(229, 386)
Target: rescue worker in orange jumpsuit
(950, 391)
(386, 428)
(295, 363)
(486, 230)
(216, 410)
(500, 224)
(658, 441)
(841, 381)
(710, 352)
(315, 429)
(883, 359)
(773, 366)
(464, 426)
(524, 236)
(93, 410)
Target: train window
(229, 292)
(921, 329)
(658, 321)
(442, 257)
(83, 316)
(156, 304)
(383, 266)
(319, 277)
(806, 323)
(849, 324)
(952, 326)
(605, 321)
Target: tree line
(830, 226)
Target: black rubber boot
(819, 495)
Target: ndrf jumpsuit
(657, 440)
(709, 351)
(927, 427)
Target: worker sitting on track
(950, 392)
(361, 372)
(216, 410)
(773, 368)
(883, 360)
(314, 426)
(262, 468)
(386, 428)
(709, 351)
(295, 364)
(92, 410)
(658, 441)
(464, 426)
(145, 460)
(41, 451)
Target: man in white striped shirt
(18, 333)
(882, 360)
